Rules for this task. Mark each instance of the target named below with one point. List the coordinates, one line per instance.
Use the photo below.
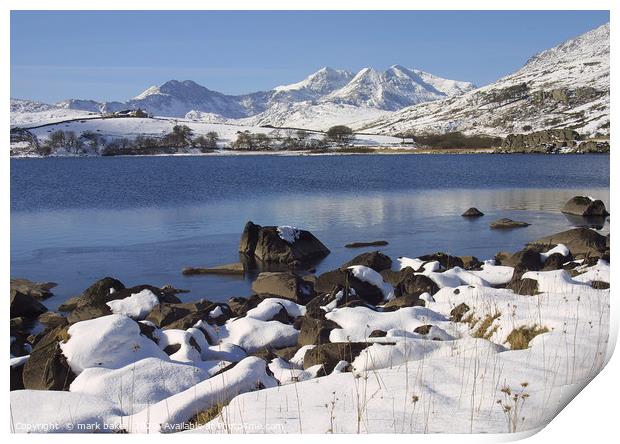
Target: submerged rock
(236, 268)
(505, 223)
(473, 212)
(585, 206)
(379, 243)
(283, 245)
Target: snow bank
(560, 248)
(358, 322)
(172, 413)
(253, 334)
(36, 411)
(137, 385)
(112, 342)
(136, 306)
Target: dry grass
(206, 416)
(485, 327)
(519, 338)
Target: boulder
(179, 315)
(585, 206)
(447, 261)
(408, 300)
(96, 293)
(580, 241)
(528, 258)
(458, 312)
(330, 280)
(506, 224)
(47, 368)
(88, 311)
(314, 331)
(526, 287)
(240, 306)
(338, 294)
(373, 259)
(51, 320)
(413, 284)
(377, 334)
(39, 291)
(473, 212)
(280, 245)
(24, 305)
(555, 261)
(286, 285)
(328, 355)
(471, 263)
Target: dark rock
(374, 259)
(600, 285)
(330, 280)
(580, 241)
(229, 269)
(167, 315)
(458, 312)
(423, 329)
(52, 320)
(286, 353)
(265, 244)
(38, 290)
(172, 349)
(393, 277)
(96, 293)
(526, 287)
(584, 206)
(17, 377)
(314, 331)
(47, 368)
(447, 261)
(501, 257)
(555, 262)
(148, 330)
(240, 306)
(414, 285)
(528, 258)
(24, 305)
(330, 354)
(285, 285)
(379, 243)
(471, 263)
(407, 300)
(505, 224)
(88, 311)
(377, 334)
(473, 212)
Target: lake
(142, 219)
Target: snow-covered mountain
(565, 86)
(391, 90)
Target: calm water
(141, 220)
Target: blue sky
(115, 55)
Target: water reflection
(152, 244)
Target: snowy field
(430, 371)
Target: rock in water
(280, 245)
(505, 223)
(577, 240)
(585, 206)
(473, 212)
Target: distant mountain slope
(565, 86)
(393, 89)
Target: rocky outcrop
(280, 245)
(546, 141)
(580, 241)
(585, 206)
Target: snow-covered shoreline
(433, 343)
